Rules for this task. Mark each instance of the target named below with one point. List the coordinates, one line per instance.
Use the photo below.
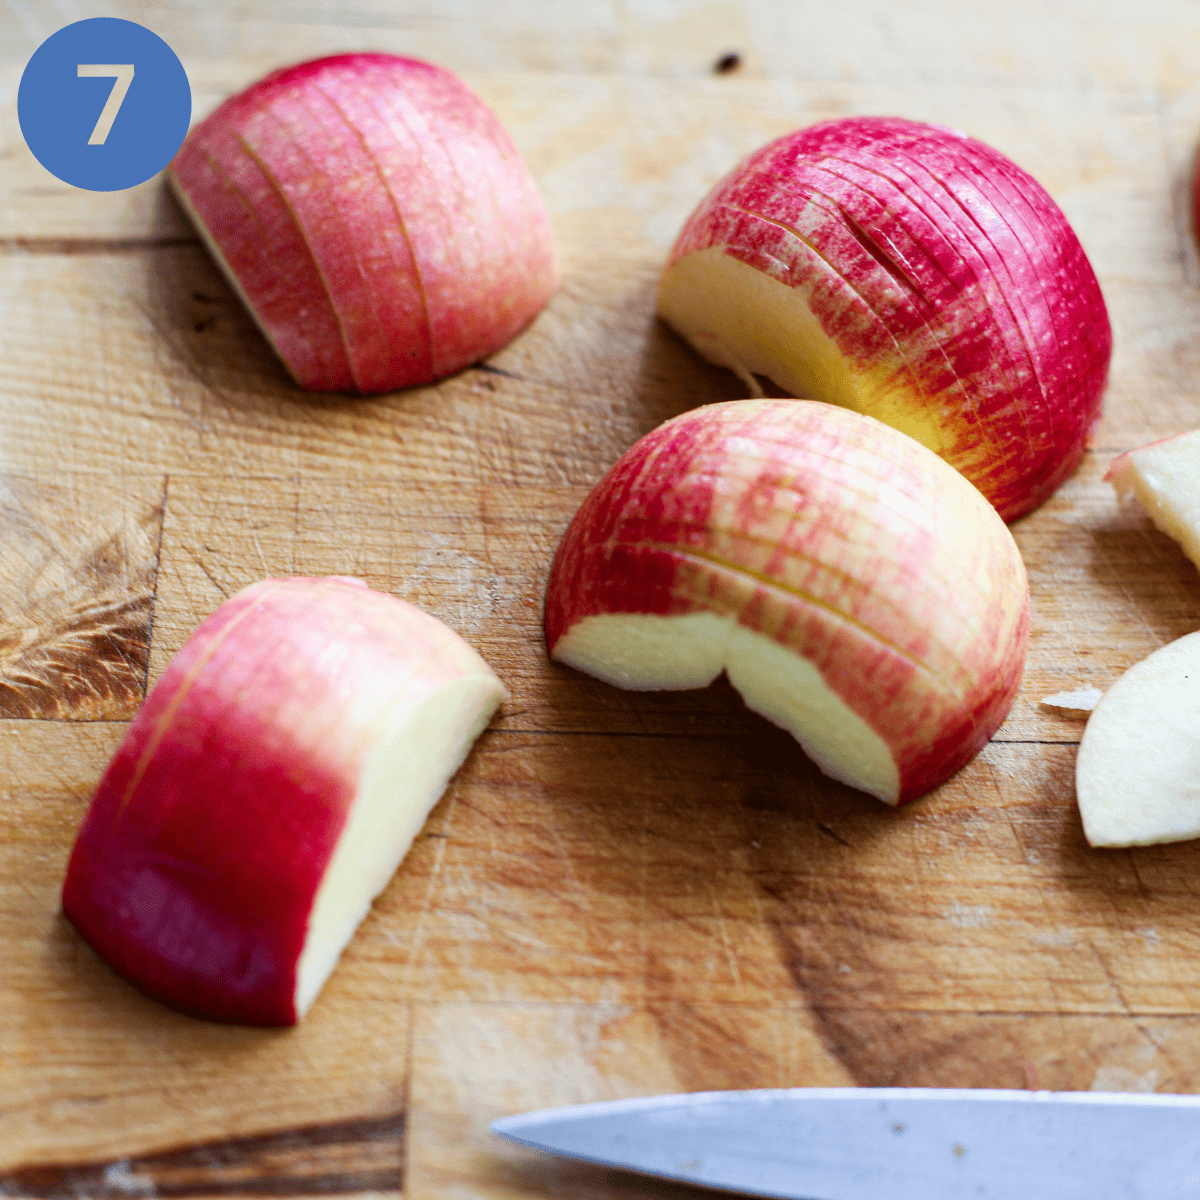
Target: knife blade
(890, 1143)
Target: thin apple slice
(1164, 476)
(266, 792)
(1137, 774)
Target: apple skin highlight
(197, 866)
(374, 216)
(825, 533)
(912, 273)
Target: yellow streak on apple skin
(767, 327)
(653, 652)
(167, 717)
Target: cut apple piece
(1137, 774)
(1078, 702)
(1164, 476)
(909, 272)
(373, 215)
(267, 791)
(856, 590)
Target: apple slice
(266, 792)
(1137, 774)
(856, 589)
(1164, 476)
(373, 215)
(908, 272)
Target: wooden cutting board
(620, 894)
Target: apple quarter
(912, 273)
(266, 792)
(373, 215)
(856, 589)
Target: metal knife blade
(890, 1143)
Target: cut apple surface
(855, 588)
(375, 218)
(266, 792)
(908, 272)
(1164, 477)
(1137, 774)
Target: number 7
(108, 114)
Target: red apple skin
(197, 863)
(976, 295)
(756, 508)
(376, 216)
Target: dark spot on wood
(364, 1155)
(204, 299)
(727, 63)
(482, 366)
(831, 833)
(68, 245)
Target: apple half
(266, 792)
(1137, 773)
(912, 273)
(1164, 477)
(856, 589)
(375, 218)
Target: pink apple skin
(836, 536)
(962, 287)
(376, 217)
(196, 867)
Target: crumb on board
(1078, 702)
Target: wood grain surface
(620, 894)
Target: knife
(890, 1143)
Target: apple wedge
(373, 215)
(1164, 477)
(267, 791)
(1137, 774)
(856, 589)
(912, 273)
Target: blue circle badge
(104, 104)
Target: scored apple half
(375, 218)
(912, 273)
(1137, 773)
(266, 792)
(1164, 477)
(856, 589)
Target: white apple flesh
(908, 272)
(1137, 774)
(856, 590)
(267, 791)
(374, 217)
(1164, 477)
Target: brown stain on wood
(364, 1155)
(76, 620)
